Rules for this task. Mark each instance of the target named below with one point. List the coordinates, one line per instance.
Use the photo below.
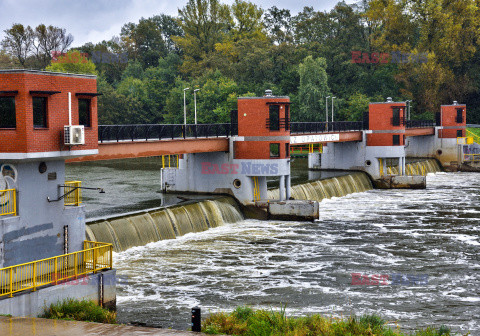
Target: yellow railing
(471, 157)
(73, 193)
(475, 137)
(464, 140)
(8, 202)
(256, 189)
(303, 149)
(170, 161)
(52, 271)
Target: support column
(288, 183)
(281, 190)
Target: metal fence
(29, 276)
(420, 123)
(73, 193)
(8, 202)
(162, 131)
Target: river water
(432, 234)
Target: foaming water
(130, 230)
(308, 266)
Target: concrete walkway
(24, 326)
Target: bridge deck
(135, 141)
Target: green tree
(73, 62)
(313, 89)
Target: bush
(79, 311)
(244, 321)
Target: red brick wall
(380, 119)
(25, 138)
(252, 122)
(448, 117)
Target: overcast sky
(97, 20)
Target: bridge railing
(420, 123)
(139, 132)
(323, 127)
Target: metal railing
(324, 127)
(8, 202)
(52, 271)
(73, 193)
(471, 157)
(170, 161)
(420, 123)
(144, 132)
(306, 149)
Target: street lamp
(332, 107)
(326, 108)
(195, 99)
(408, 109)
(185, 107)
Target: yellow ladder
(256, 189)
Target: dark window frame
(459, 116)
(396, 139)
(396, 118)
(88, 123)
(275, 144)
(274, 123)
(14, 125)
(287, 150)
(460, 134)
(45, 112)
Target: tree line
(235, 50)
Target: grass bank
(79, 311)
(245, 321)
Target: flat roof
(41, 72)
(266, 97)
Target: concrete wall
(216, 173)
(88, 288)
(38, 230)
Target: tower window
(274, 117)
(274, 150)
(84, 112)
(396, 140)
(7, 112)
(40, 112)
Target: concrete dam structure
(49, 119)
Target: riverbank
(244, 321)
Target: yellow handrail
(176, 158)
(73, 193)
(8, 202)
(29, 276)
(475, 137)
(471, 157)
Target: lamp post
(185, 107)
(195, 100)
(332, 107)
(326, 108)
(326, 112)
(408, 109)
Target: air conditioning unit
(74, 135)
